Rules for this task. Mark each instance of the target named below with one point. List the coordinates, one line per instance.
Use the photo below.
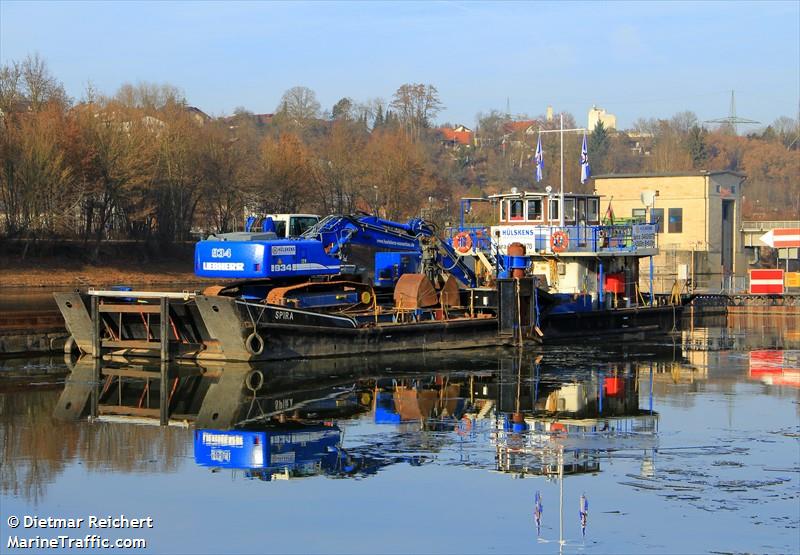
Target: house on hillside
(524, 127)
(260, 120)
(458, 136)
(198, 115)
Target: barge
(360, 284)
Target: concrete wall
(700, 241)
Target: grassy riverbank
(66, 264)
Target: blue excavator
(321, 266)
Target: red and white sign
(782, 238)
(766, 282)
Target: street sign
(769, 282)
(782, 238)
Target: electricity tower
(733, 120)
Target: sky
(633, 59)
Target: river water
(686, 445)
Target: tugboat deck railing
(626, 239)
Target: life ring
(462, 242)
(559, 241)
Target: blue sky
(634, 59)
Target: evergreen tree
(599, 144)
(696, 145)
(342, 109)
(379, 121)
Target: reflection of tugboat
(549, 425)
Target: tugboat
(585, 269)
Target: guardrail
(627, 238)
(766, 225)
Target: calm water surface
(689, 445)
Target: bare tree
(682, 122)
(299, 104)
(150, 96)
(40, 85)
(416, 105)
(10, 87)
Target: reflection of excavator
(337, 262)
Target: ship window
(280, 228)
(675, 220)
(657, 217)
(515, 208)
(569, 210)
(535, 210)
(582, 211)
(552, 213)
(593, 215)
(639, 215)
(502, 211)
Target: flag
(586, 171)
(609, 214)
(539, 159)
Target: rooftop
(695, 173)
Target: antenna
(732, 119)
(648, 198)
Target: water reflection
(579, 425)
(509, 412)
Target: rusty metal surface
(414, 291)
(450, 296)
(224, 323)
(280, 295)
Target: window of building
(535, 210)
(515, 208)
(675, 220)
(569, 210)
(593, 215)
(552, 210)
(639, 215)
(657, 217)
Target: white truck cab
(283, 225)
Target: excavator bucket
(414, 291)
